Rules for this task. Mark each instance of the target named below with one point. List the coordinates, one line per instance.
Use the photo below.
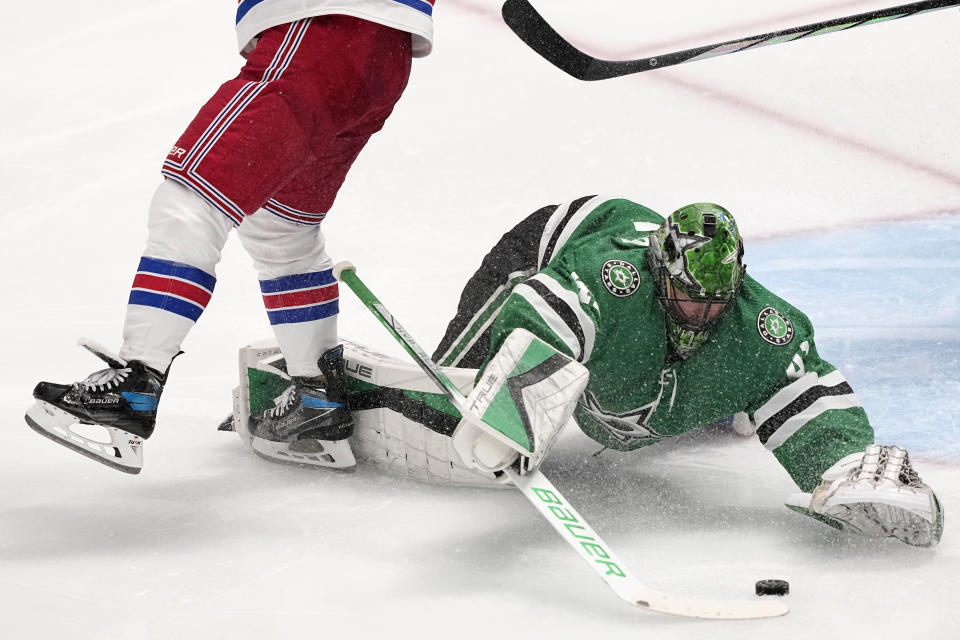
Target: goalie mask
(696, 258)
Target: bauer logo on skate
(301, 298)
(171, 286)
(579, 531)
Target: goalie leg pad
(396, 428)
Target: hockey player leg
(524, 398)
(120, 400)
(309, 423)
(877, 494)
(173, 283)
(176, 276)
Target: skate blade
(329, 454)
(124, 451)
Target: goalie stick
(557, 510)
(530, 26)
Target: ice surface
(816, 146)
(884, 299)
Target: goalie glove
(524, 397)
(877, 494)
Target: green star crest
(620, 278)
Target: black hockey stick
(530, 26)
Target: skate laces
(283, 402)
(105, 379)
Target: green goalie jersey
(594, 299)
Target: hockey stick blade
(555, 508)
(525, 21)
(580, 535)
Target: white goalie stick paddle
(585, 541)
(557, 510)
(529, 25)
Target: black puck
(773, 587)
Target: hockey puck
(773, 587)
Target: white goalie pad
(878, 494)
(402, 420)
(524, 398)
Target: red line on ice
(708, 92)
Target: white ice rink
(838, 155)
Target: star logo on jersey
(631, 425)
(774, 327)
(621, 278)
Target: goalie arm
(811, 418)
(817, 429)
(549, 305)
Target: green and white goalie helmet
(696, 258)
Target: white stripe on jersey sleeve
(550, 318)
(571, 225)
(794, 390)
(485, 308)
(572, 300)
(794, 423)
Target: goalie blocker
(522, 401)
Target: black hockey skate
(310, 421)
(121, 399)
